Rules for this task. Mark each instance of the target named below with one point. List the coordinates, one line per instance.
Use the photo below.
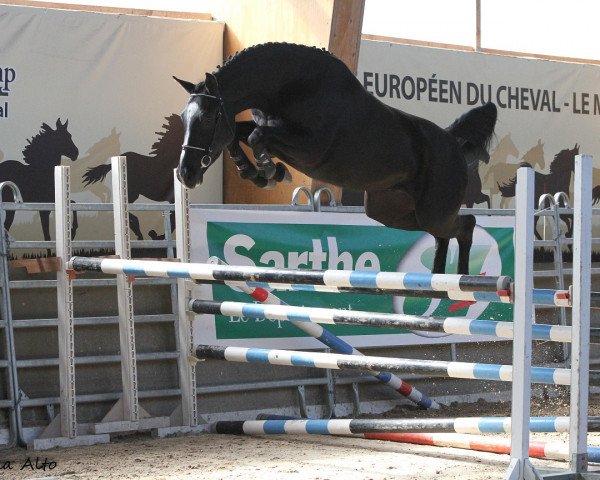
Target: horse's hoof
(267, 170)
(271, 184)
(248, 173)
(282, 174)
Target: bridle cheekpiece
(206, 160)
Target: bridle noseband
(206, 160)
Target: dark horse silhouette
(558, 180)
(310, 111)
(473, 193)
(150, 176)
(35, 177)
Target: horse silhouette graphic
(149, 175)
(562, 168)
(35, 175)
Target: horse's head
(506, 147)
(207, 130)
(63, 140)
(535, 155)
(564, 161)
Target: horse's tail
(474, 131)
(596, 195)
(508, 189)
(96, 174)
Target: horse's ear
(188, 86)
(60, 125)
(46, 127)
(211, 84)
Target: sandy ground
(207, 456)
(215, 457)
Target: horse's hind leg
(465, 240)
(441, 252)
(460, 227)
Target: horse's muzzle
(189, 177)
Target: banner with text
(340, 241)
(77, 88)
(548, 111)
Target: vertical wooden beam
(306, 22)
(332, 24)
(478, 25)
(344, 43)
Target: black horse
(558, 180)
(310, 111)
(35, 177)
(149, 175)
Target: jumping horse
(311, 112)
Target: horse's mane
(242, 54)
(170, 139)
(564, 160)
(37, 147)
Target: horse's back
(15, 171)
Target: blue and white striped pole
(444, 286)
(329, 278)
(339, 345)
(452, 325)
(480, 371)
(476, 425)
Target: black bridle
(206, 160)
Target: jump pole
(537, 449)
(405, 425)
(336, 344)
(541, 296)
(453, 325)
(382, 281)
(478, 371)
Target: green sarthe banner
(340, 241)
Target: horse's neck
(253, 80)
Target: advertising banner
(79, 87)
(341, 241)
(548, 111)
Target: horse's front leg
(265, 174)
(246, 169)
